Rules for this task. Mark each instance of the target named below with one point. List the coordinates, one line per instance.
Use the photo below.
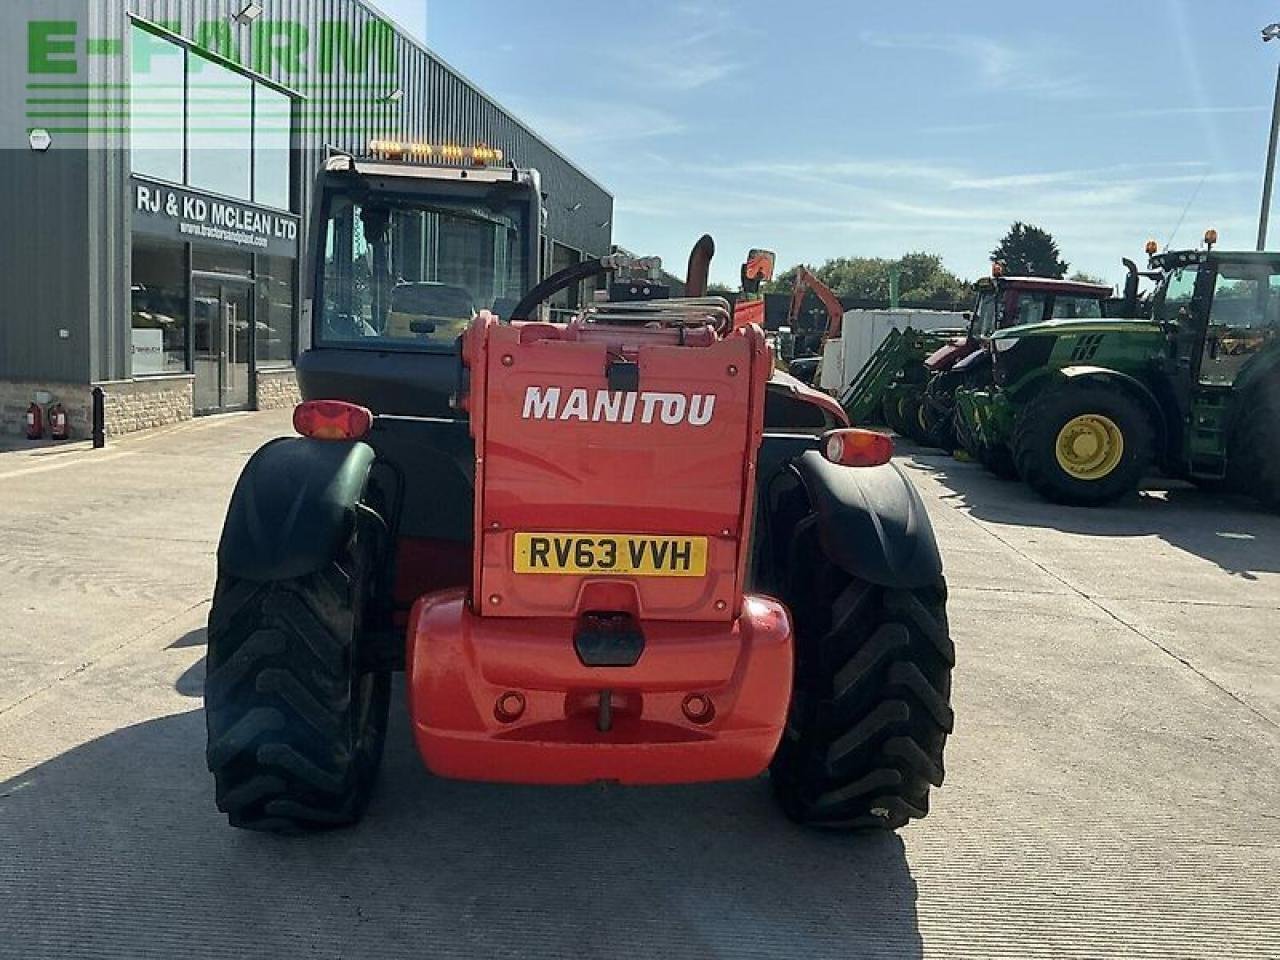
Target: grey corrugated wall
(71, 196)
(44, 226)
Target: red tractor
(615, 549)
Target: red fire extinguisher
(35, 422)
(58, 422)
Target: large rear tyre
(870, 711)
(937, 410)
(1254, 454)
(889, 412)
(1083, 444)
(997, 458)
(911, 413)
(295, 727)
(965, 439)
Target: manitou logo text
(602, 406)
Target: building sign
(178, 214)
(148, 351)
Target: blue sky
(821, 128)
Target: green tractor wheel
(938, 422)
(1083, 444)
(911, 413)
(998, 458)
(1254, 453)
(889, 413)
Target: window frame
(296, 99)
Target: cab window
(984, 323)
(1024, 308)
(1076, 308)
(1244, 318)
(1176, 300)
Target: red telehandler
(613, 549)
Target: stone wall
(131, 405)
(146, 402)
(277, 389)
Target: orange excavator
(806, 367)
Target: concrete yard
(1112, 785)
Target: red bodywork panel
(461, 666)
(944, 358)
(560, 455)
(557, 452)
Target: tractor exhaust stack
(695, 280)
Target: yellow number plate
(611, 553)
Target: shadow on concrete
(1233, 532)
(114, 849)
(192, 638)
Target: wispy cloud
(590, 122)
(693, 46)
(1207, 110)
(883, 206)
(687, 62)
(1031, 66)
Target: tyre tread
(282, 745)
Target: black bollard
(99, 418)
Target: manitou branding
(604, 406)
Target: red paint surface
(460, 666)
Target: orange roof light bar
(449, 153)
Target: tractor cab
(410, 245)
(1220, 311)
(1017, 301)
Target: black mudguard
(293, 508)
(871, 522)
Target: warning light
(997, 269)
(448, 153)
(852, 447)
(332, 420)
(1210, 237)
(1151, 248)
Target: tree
(1081, 277)
(1028, 251)
(719, 290)
(921, 277)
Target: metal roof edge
(373, 9)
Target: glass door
(222, 327)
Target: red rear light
(852, 447)
(332, 420)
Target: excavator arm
(806, 281)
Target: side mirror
(757, 270)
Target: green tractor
(927, 368)
(1002, 302)
(888, 387)
(1082, 409)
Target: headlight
(1004, 343)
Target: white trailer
(862, 332)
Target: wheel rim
(1089, 447)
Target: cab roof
(1075, 288)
